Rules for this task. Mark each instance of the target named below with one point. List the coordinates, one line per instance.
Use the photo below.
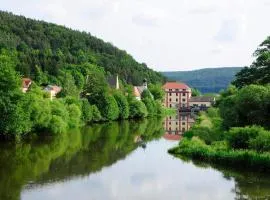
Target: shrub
(108, 107)
(137, 109)
(239, 138)
(261, 142)
(57, 125)
(122, 105)
(96, 114)
(87, 112)
(74, 115)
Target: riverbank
(206, 141)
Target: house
(26, 82)
(113, 81)
(53, 90)
(177, 95)
(202, 101)
(138, 90)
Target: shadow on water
(76, 153)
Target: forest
(47, 47)
(236, 131)
(80, 65)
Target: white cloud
(167, 35)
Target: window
(183, 105)
(176, 94)
(170, 105)
(183, 117)
(170, 99)
(183, 123)
(184, 94)
(170, 94)
(176, 100)
(184, 89)
(183, 100)
(170, 123)
(170, 89)
(183, 129)
(176, 123)
(176, 89)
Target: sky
(171, 35)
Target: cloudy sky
(167, 35)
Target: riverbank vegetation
(237, 131)
(80, 65)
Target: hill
(49, 47)
(207, 80)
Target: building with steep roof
(53, 90)
(177, 95)
(26, 82)
(138, 90)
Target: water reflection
(176, 125)
(126, 160)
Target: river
(119, 161)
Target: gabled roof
(26, 82)
(136, 92)
(202, 99)
(175, 85)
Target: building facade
(177, 95)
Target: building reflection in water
(176, 125)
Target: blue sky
(167, 35)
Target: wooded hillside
(49, 47)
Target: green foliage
(157, 91)
(74, 115)
(137, 109)
(96, 114)
(259, 71)
(108, 107)
(208, 80)
(146, 94)
(52, 48)
(87, 111)
(247, 106)
(122, 105)
(239, 138)
(57, 125)
(195, 92)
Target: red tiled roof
(175, 85)
(26, 82)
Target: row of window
(177, 90)
(176, 123)
(176, 117)
(182, 105)
(183, 130)
(183, 94)
(177, 100)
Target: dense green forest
(48, 47)
(80, 65)
(208, 80)
(237, 131)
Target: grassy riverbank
(239, 146)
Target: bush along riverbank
(247, 147)
(85, 97)
(237, 132)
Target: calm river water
(119, 161)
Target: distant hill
(208, 80)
